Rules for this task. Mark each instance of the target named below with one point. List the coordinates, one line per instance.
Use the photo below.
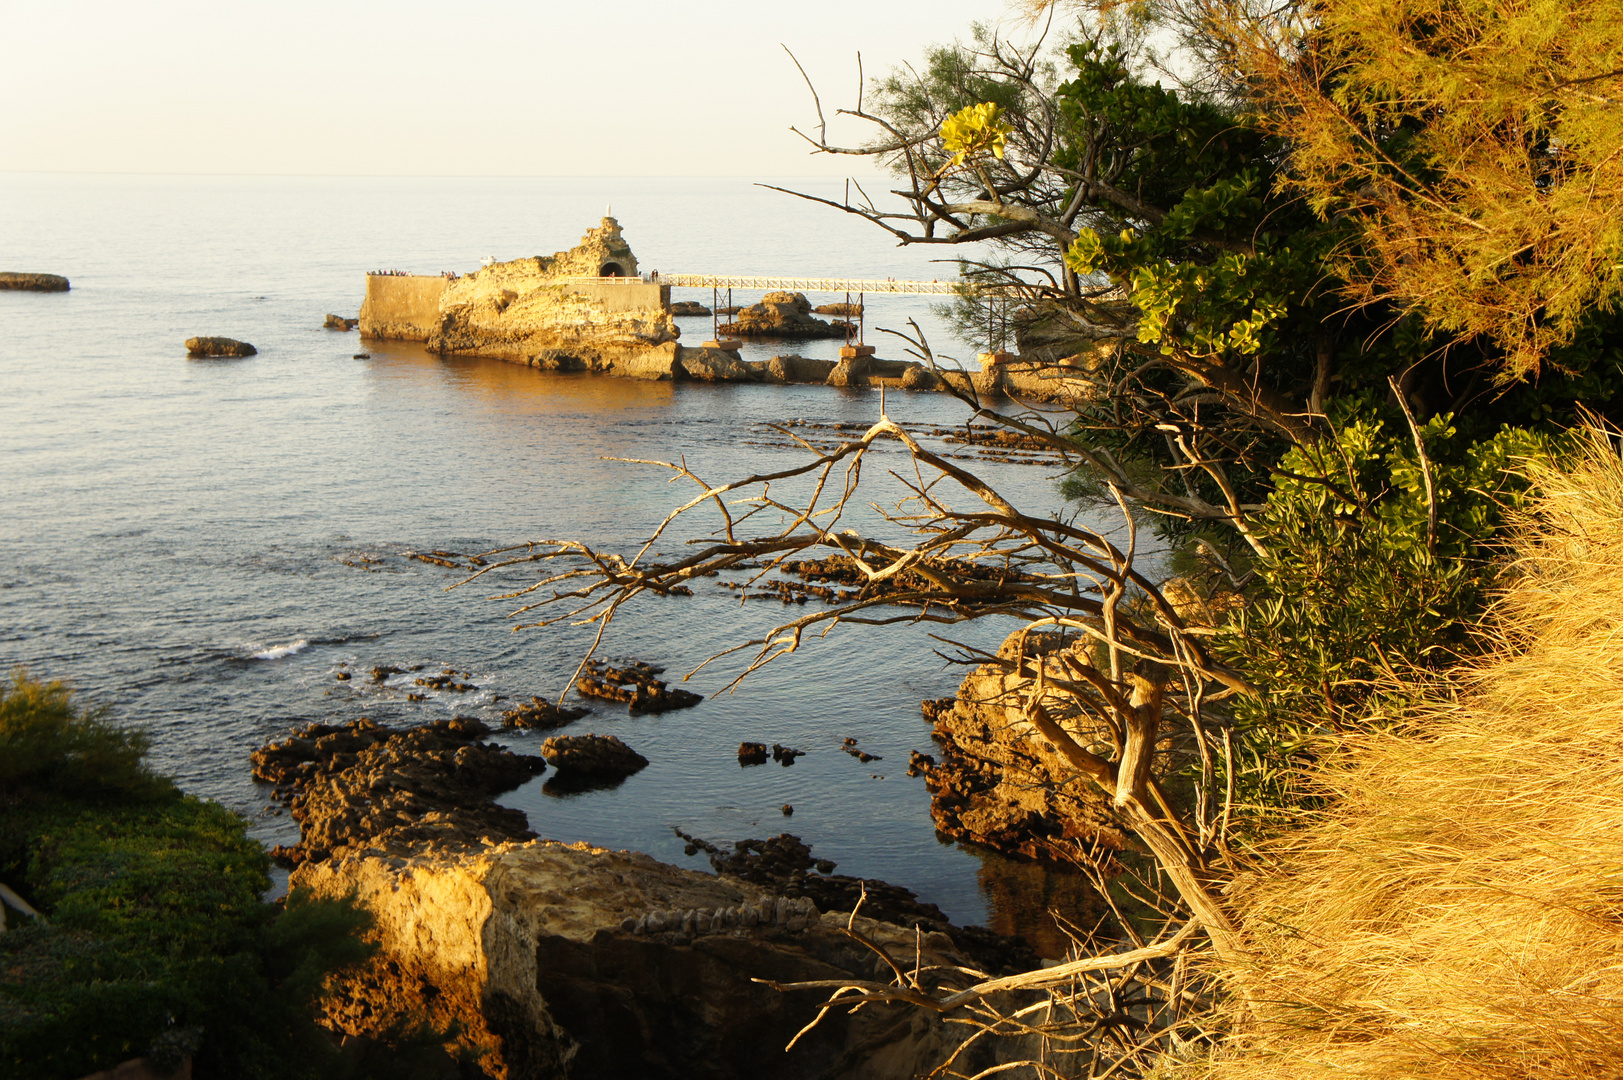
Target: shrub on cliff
(155, 940)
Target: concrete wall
(630, 297)
(402, 308)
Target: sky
(404, 87)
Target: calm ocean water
(188, 541)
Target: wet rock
(361, 785)
(22, 282)
(541, 713)
(338, 322)
(594, 755)
(838, 309)
(637, 684)
(218, 346)
(918, 764)
(383, 671)
(787, 810)
(752, 753)
(686, 308)
(785, 755)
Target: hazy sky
(407, 87)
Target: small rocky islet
(19, 281)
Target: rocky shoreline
(566, 960)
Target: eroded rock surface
(781, 314)
(361, 786)
(636, 683)
(592, 755)
(565, 960)
(1000, 783)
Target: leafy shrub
(47, 743)
(158, 942)
(1352, 595)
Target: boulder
(838, 309)
(919, 377)
(686, 308)
(218, 346)
(659, 364)
(850, 371)
(781, 314)
(714, 365)
(593, 755)
(338, 322)
(796, 369)
(11, 279)
(555, 960)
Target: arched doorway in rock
(612, 269)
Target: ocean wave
(276, 652)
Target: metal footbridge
(797, 284)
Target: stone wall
(402, 308)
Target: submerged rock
(11, 279)
(218, 346)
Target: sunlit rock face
(565, 960)
(540, 310)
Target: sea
(203, 546)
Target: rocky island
(587, 309)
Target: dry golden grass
(1457, 911)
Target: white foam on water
(276, 652)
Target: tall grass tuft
(1457, 909)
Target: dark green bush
(47, 743)
(158, 942)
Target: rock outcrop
(566, 960)
(11, 279)
(363, 786)
(592, 755)
(687, 308)
(781, 314)
(339, 322)
(218, 346)
(1001, 784)
(541, 311)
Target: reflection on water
(1023, 898)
